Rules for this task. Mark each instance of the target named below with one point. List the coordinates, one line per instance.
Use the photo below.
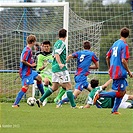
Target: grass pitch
(49, 119)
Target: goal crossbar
(28, 4)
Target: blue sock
(40, 87)
(116, 104)
(65, 100)
(19, 96)
(111, 94)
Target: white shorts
(124, 104)
(61, 77)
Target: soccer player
(26, 73)
(104, 102)
(117, 58)
(84, 59)
(44, 66)
(60, 74)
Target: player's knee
(46, 81)
(39, 78)
(120, 94)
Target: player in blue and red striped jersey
(26, 73)
(84, 60)
(117, 58)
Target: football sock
(116, 104)
(45, 89)
(20, 95)
(46, 94)
(60, 94)
(71, 97)
(110, 94)
(65, 100)
(40, 87)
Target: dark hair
(94, 83)
(86, 45)
(124, 32)
(62, 33)
(38, 46)
(46, 42)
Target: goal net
(44, 21)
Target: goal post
(43, 20)
(28, 4)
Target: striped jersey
(26, 55)
(116, 53)
(84, 60)
(59, 48)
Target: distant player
(117, 58)
(60, 74)
(44, 66)
(104, 102)
(26, 73)
(84, 60)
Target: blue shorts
(28, 80)
(119, 84)
(81, 85)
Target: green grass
(49, 119)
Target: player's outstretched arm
(69, 57)
(107, 84)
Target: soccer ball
(31, 101)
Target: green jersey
(45, 60)
(102, 101)
(59, 48)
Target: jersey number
(115, 51)
(82, 57)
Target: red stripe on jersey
(79, 70)
(25, 55)
(109, 53)
(117, 72)
(127, 52)
(110, 72)
(93, 59)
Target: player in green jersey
(60, 74)
(103, 102)
(44, 66)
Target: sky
(105, 2)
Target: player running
(84, 60)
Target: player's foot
(81, 107)
(96, 97)
(58, 105)
(116, 113)
(15, 106)
(75, 107)
(38, 102)
(44, 102)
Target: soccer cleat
(81, 107)
(44, 102)
(58, 105)
(15, 106)
(96, 97)
(116, 113)
(76, 107)
(38, 102)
